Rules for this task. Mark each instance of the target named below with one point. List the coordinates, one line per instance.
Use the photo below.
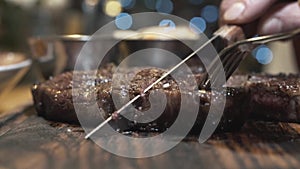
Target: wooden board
(28, 141)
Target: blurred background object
(21, 19)
(13, 67)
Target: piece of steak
(53, 99)
(275, 97)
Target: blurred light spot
(164, 6)
(196, 2)
(263, 54)
(123, 21)
(150, 4)
(91, 2)
(210, 13)
(127, 4)
(55, 4)
(112, 8)
(169, 24)
(198, 24)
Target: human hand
(261, 16)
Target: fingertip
(280, 19)
(234, 12)
(272, 25)
(243, 11)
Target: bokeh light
(54, 4)
(164, 6)
(150, 4)
(196, 2)
(127, 4)
(112, 8)
(123, 21)
(210, 13)
(198, 25)
(169, 24)
(91, 2)
(263, 54)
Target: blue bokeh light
(210, 13)
(263, 54)
(196, 2)
(198, 25)
(164, 6)
(127, 3)
(123, 21)
(169, 24)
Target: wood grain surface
(28, 141)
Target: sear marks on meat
(233, 118)
(275, 97)
(53, 99)
(257, 96)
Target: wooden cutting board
(29, 141)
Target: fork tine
(233, 66)
(213, 74)
(211, 70)
(230, 60)
(216, 75)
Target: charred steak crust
(275, 97)
(233, 115)
(53, 99)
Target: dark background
(21, 19)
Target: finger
(243, 11)
(281, 18)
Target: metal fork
(231, 57)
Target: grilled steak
(275, 97)
(53, 99)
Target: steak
(260, 97)
(54, 100)
(275, 97)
